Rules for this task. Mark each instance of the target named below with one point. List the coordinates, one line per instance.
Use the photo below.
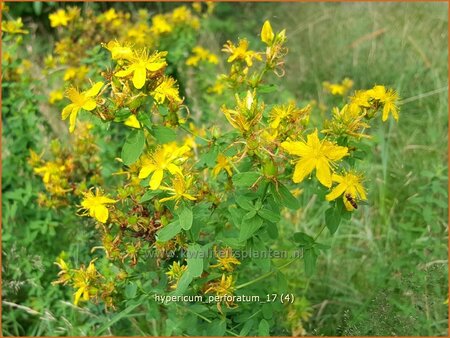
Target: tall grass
(386, 273)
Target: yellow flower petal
(147, 170)
(156, 179)
(104, 200)
(334, 152)
(89, 105)
(296, 148)
(267, 33)
(154, 66)
(78, 295)
(140, 73)
(67, 111)
(73, 119)
(173, 169)
(323, 172)
(132, 122)
(313, 140)
(336, 192)
(126, 72)
(303, 168)
(94, 90)
(101, 213)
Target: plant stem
(320, 232)
(265, 275)
(210, 321)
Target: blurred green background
(387, 270)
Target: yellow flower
(246, 114)
(119, 51)
(314, 154)
(179, 190)
(59, 18)
(140, 34)
(167, 89)
(267, 33)
(358, 101)
(132, 122)
(225, 260)
(76, 73)
(223, 163)
(34, 158)
(338, 88)
(140, 62)
(82, 280)
(24, 67)
(164, 158)
(201, 54)
(183, 16)
(160, 24)
(224, 287)
(388, 98)
(50, 171)
(174, 274)
(218, 87)
(73, 12)
(346, 121)
(95, 205)
(241, 52)
(55, 96)
(84, 100)
(281, 113)
(14, 27)
(63, 275)
(350, 186)
(110, 15)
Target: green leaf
(116, 318)
(272, 230)
(148, 195)
(249, 215)
(265, 89)
(217, 328)
(332, 219)
(144, 118)
(122, 114)
(183, 283)
(246, 179)
(249, 227)
(247, 327)
(269, 215)
(263, 328)
(209, 158)
(263, 261)
(284, 197)
(281, 282)
(245, 203)
(195, 260)
(164, 134)
(133, 147)
(267, 311)
(169, 231)
(303, 239)
(37, 6)
(310, 259)
(185, 217)
(163, 110)
(130, 290)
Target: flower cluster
(182, 186)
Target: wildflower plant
(182, 188)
